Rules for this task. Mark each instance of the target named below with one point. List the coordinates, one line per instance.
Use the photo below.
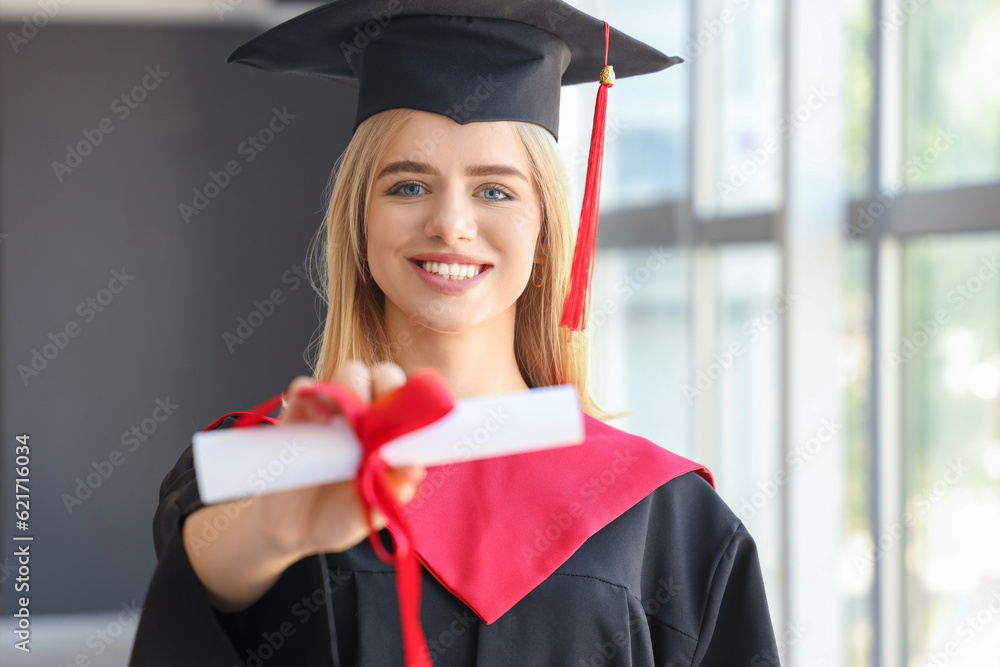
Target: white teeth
(451, 271)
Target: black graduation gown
(673, 581)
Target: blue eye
(491, 193)
(408, 189)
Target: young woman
(449, 244)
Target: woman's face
(453, 222)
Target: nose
(452, 216)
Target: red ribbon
(421, 401)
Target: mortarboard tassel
(574, 315)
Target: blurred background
(796, 284)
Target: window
(640, 331)
(952, 91)
(950, 360)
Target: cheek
(518, 251)
(383, 236)
(521, 238)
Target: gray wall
(160, 336)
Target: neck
(476, 362)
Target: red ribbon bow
(421, 401)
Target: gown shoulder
(688, 572)
(674, 580)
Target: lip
(448, 258)
(447, 285)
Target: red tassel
(574, 315)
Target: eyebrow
(475, 170)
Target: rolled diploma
(238, 462)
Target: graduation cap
(470, 60)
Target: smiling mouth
(451, 271)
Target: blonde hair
(355, 328)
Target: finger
(293, 386)
(386, 376)
(355, 375)
(299, 406)
(320, 407)
(299, 382)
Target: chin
(449, 315)
(445, 321)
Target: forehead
(438, 140)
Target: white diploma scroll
(238, 462)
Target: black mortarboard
(470, 60)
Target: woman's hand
(273, 531)
(329, 518)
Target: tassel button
(608, 76)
